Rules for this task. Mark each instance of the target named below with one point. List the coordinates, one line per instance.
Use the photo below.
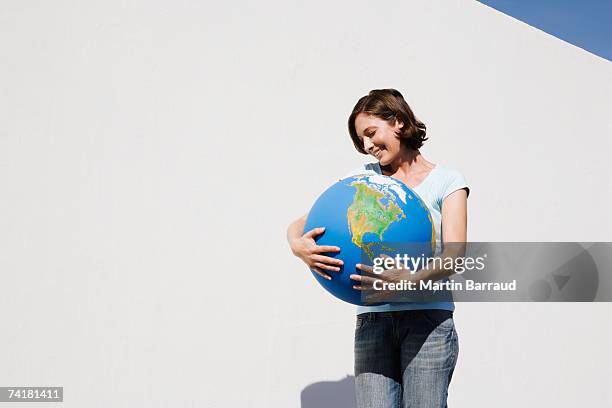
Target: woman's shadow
(337, 394)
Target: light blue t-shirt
(439, 183)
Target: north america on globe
(373, 209)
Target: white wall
(153, 153)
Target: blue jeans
(404, 358)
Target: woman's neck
(409, 162)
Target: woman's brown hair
(389, 105)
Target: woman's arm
(296, 230)
(454, 217)
(454, 234)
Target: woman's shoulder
(448, 171)
(450, 179)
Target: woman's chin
(383, 161)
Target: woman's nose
(367, 143)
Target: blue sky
(584, 23)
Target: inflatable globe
(368, 215)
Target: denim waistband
(401, 313)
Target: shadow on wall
(337, 394)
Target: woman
(405, 353)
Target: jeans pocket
(360, 321)
(439, 318)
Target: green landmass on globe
(368, 214)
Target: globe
(368, 215)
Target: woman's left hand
(395, 274)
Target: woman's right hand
(308, 251)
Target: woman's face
(379, 138)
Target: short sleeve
(456, 181)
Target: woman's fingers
(365, 282)
(327, 267)
(357, 279)
(327, 260)
(320, 273)
(363, 279)
(326, 248)
(314, 232)
(365, 268)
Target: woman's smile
(377, 153)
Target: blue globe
(368, 215)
